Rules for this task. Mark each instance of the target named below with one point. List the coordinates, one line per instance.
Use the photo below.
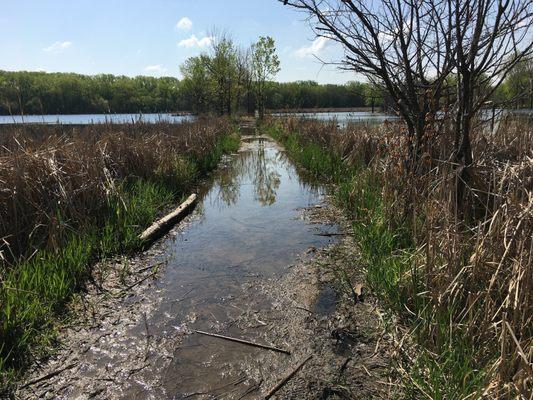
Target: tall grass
(71, 195)
(463, 283)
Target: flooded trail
(221, 274)
(247, 232)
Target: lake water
(344, 117)
(84, 119)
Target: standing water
(249, 231)
(243, 237)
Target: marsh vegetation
(459, 283)
(439, 201)
(72, 195)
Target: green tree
(196, 86)
(265, 65)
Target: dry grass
(463, 281)
(70, 195)
(53, 178)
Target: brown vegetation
(463, 282)
(56, 177)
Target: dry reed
(469, 278)
(54, 178)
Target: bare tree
(490, 38)
(404, 46)
(414, 47)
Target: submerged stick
(328, 234)
(48, 376)
(242, 341)
(161, 226)
(287, 377)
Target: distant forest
(68, 93)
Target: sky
(141, 37)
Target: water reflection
(257, 166)
(249, 231)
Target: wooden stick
(49, 375)
(327, 234)
(242, 341)
(160, 226)
(139, 271)
(287, 377)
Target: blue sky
(142, 37)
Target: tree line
(225, 79)
(44, 93)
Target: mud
(254, 261)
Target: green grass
(34, 292)
(444, 366)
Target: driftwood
(158, 228)
(242, 341)
(287, 377)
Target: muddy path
(258, 259)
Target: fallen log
(242, 341)
(287, 377)
(163, 225)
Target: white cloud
(184, 24)
(313, 49)
(193, 41)
(58, 46)
(158, 68)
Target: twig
(146, 350)
(242, 341)
(282, 383)
(330, 234)
(48, 376)
(304, 309)
(136, 283)
(251, 389)
(150, 267)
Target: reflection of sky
(250, 214)
(261, 170)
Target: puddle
(326, 301)
(248, 231)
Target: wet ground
(247, 265)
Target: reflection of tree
(229, 183)
(266, 178)
(259, 166)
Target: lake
(84, 119)
(343, 117)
